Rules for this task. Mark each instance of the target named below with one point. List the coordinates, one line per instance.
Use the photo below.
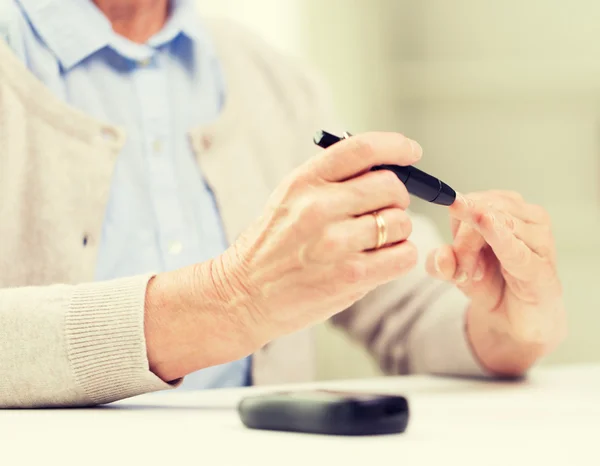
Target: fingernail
(436, 262)
(417, 150)
(479, 272)
(461, 278)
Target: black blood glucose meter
(326, 412)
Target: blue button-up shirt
(161, 214)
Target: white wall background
(500, 95)
(277, 20)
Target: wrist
(195, 320)
(493, 345)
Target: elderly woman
(167, 221)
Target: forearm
(100, 342)
(80, 345)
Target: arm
(100, 342)
(73, 345)
(305, 259)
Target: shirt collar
(75, 29)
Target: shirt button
(175, 247)
(86, 240)
(144, 63)
(157, 146)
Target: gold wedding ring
(381, 230)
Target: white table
(553, 418)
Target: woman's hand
(311, 254)
(503, 257)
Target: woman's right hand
(308, 257)
(311, 254)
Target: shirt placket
(152, 85)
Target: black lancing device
(417, 182)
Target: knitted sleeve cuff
(106, 343)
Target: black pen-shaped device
(417, 182)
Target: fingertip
(462, 201)
(416, 149)
(442, 263)
(461, 208)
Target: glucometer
(417, 182)
(326, 412)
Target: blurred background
(499, 94)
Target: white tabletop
(550, 419)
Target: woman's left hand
(503, 257)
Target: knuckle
(544, 250)
(521, 257)
(296, 182)
(542, 215)
(393, 187)
(480, 218)
(388, 181)
(313, 213)
(293, 183)
(361, 148)
(514, 195)
(509, 223)
(353, 272)
(404, 224)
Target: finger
(454, 226)
(514, 255)
(361, 232)
(370, 192)
(503, 201)
(467, 245)
(386, 264)
(441, 263)
(528, 213)
(536, 236)
(488, 289)
(513, 195)
(358, 154)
